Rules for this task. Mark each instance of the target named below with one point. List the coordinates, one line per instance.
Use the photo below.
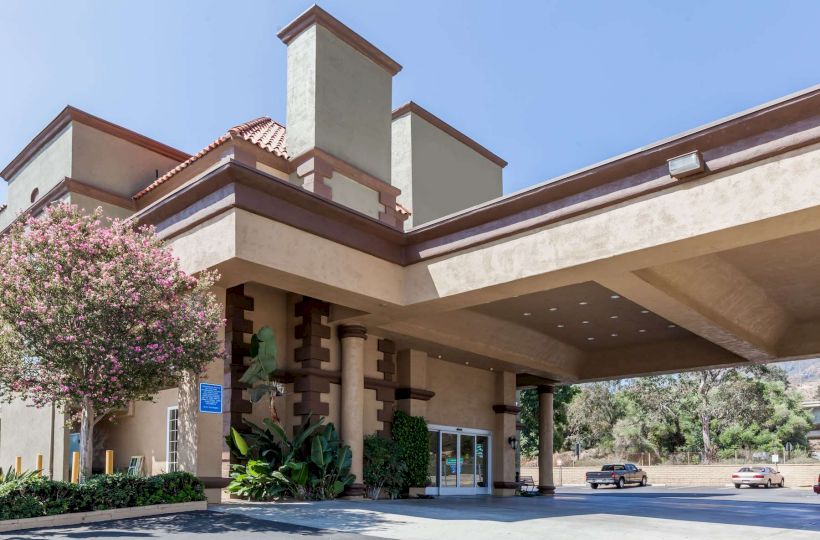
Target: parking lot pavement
(188, 526)
(654, 512)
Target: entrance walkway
(629, 513)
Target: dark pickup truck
(617, 475)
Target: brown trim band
(505, 485)
(67, 186)
(506, 409)
(546, 389)
(430, 118)
(215, 482)
(785, 127)
(316, 15)
(352, 331)
(414, 393)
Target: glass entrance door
(460, 464)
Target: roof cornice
(70, 114)
(427, 116)
(316, 15)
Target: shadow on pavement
(187, 525)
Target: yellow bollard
(109, 462)
(18, 465)
(75, 467)
(39, 465)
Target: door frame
(456, 430)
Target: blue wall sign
(210, 398)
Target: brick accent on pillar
(313, 173)
(387, 395)
(237, 327)
(311, 354)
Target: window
(172, 449)
(34, 194)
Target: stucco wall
(464, 395)
(43, 171)
(142, 434)
(89, 204)
(25, 431)
(113, 164)
(438, 175)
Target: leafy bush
(413, 441)
(382, 467)
(313, 465)
(34, 496)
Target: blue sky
(549, 86)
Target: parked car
(618, 475)
(817, 485)
(758, 476)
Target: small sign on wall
(210, 398)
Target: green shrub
(35, 496)
(413, 440)
(313, 465)
(383, 469)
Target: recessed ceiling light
(584, 322)
(491, 369)
(466, 363)
(614, 296)
(559, 325)
(553, 309)
(672, 326)
(613, 316)
(644, 311)
(590, 339)
(582, 303)
(527, 314)
(439, 357)
(614, 335)
(642, 330)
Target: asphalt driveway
(642, 513)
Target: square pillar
(506, 410)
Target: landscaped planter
(77, 518)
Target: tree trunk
(86, 439)
(707, 439)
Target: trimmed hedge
(413, 440)
(40, 497)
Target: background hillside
(804, 375)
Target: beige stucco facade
(617, 270)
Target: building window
(34, 194)
(172, 450)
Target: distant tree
(529, 417)
(592, 414)
(94, 315)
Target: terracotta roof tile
(263, 132)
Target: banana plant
(261, 373)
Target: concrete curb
(62, 520)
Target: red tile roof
(263, 132)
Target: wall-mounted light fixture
(513, 442)
(686, 165)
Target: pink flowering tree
(96, 313)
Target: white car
(758, 476)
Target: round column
(546, 483)
(352, 401)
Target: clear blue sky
(549, 86)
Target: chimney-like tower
(339, 97)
